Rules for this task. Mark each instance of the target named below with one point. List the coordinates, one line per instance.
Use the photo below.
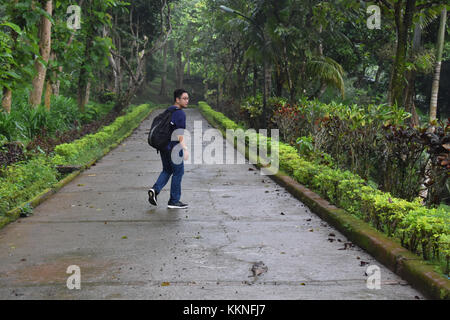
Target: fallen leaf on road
(165, 284)
(124, 237)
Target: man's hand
(185, 149)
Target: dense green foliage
(316, 49)
(24, 123)
(102, 56)
(372, 141)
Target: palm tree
(437, 72)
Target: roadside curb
(14, 214)
(399, 260)
(420, 274)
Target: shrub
(8, 126)
(371, 141)
(92, 145)
(425, 230)
(23, 180)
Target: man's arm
(181, 140)
(185, 149)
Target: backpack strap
(172, 111)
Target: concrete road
(126, 249)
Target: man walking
(172, 156)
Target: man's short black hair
(178, 93)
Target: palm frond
(328, 71)
(427, 16)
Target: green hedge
(421, 230)
(24, 180)
(92, 145)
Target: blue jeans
(170, 169)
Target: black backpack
(161, 130)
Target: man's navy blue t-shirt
(179, 122)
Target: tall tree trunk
(403, 22)
(278, 81)
(268, 79)
(49, 85)
(179, 69)
(219, 96)
(206, 90)
(57, 84)
(293, 84)
(188, 61)
(410, 90)
(437, 71)
(48, 94)
(7, 99)
(115, 65)
(88, 92)
(163, 90)
(255, 78)
(84, 75)
(44, 50)
(7, 93)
